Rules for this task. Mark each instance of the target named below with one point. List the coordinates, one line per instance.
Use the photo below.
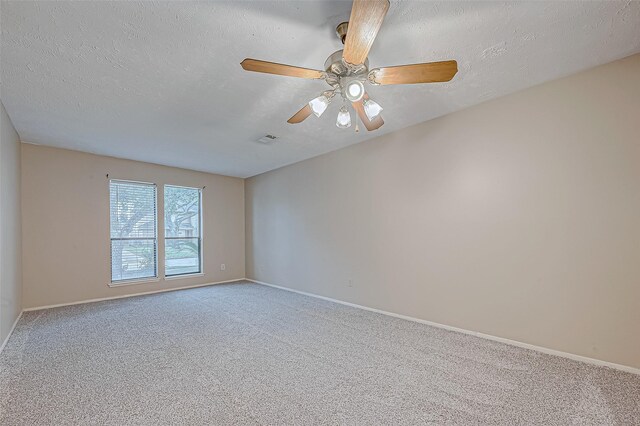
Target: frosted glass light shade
(344, 118)
(372, 109)
(354, 91)
(319, 105)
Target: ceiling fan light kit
(353, 90)
(344, 118)
(372, 109)
(347, 70)
(319, 105)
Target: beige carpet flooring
(247, 354)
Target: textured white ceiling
(161, 82)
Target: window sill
(134, 282)
(179, 277)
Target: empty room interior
(357, 212)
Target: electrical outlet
(222, 267)
(350, 283)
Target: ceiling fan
(347, 70)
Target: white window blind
(133, 230)
(183, 236)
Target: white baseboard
(80, 302)
(13, 327)
(544, 350)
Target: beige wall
(518, 218)
(65, 205)
(10, 251)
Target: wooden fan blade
(301, 115)
(432, 72)
(256, 65)
(370, 125)
(364, 23)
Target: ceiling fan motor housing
(334, 64)
(340, 74)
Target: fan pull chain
(355, 119)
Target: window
(182, 230)
(133, 230)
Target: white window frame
(155, 277)
(200, 235)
